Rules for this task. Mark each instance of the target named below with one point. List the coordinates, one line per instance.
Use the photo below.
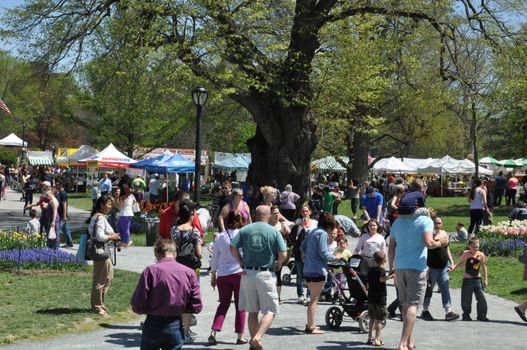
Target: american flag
(4, 107)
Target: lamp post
(199, 97)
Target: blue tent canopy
(174, 164)
(146, 162)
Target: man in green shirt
(264, 251)
(328, 198)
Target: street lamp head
(199, 96)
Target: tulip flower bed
(15, 240)
(507, 238)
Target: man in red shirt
(168, 217)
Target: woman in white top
(126, 213)
(101, 230)
(478, 204)
(370, 242)
(226, 274)
(282, 226)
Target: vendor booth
(238, 162)
(13, 140)
(40, 158)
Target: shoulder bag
(96, 250)
(135, 206)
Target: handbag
(135, 207)
(52, 235)
(97, 250)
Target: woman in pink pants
(226, 275)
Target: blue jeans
(469, 286)
(162, 333)
(299, 266)
(441, 277)
(66, 230)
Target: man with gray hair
(264, 252)
(165, 291)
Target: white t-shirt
(33, 227)
(153, 187)
(127, 210)
(368, 245)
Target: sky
(7, 4)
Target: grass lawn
(80, 201)
(45, 304)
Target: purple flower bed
(41, 258)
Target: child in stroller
(353, 300)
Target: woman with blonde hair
(237, 205)
(268, 195)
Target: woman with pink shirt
(288, 200)
(226, 275)
(370, 242)
(512, 189)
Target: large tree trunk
(281, 148)
(359, 157)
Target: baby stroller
(355, 303)
(288, 277)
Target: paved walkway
(11, 211)
(505, 331)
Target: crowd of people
(261, 230)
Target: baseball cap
(189, 203)
(369, 189)
(46, 183)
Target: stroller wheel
(334, 317)
(364, 321)
(286, 278)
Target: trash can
(152, 230)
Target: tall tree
(260, 51)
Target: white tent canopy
(449, 165)
(329, 164)
(392, 164)
(12, 140)
(110, 157)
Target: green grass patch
(42, 304)
(80, 201)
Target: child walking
(33, 226)
(473, 283)
(377, 297)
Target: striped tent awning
(40, 158)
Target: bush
(8, 156)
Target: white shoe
(301, 300)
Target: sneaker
(451, 316)
(483, 319)
(466, 318)
(212, 340)
(427, 316)
(301, 300)
(520, 313)
(394, 316)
